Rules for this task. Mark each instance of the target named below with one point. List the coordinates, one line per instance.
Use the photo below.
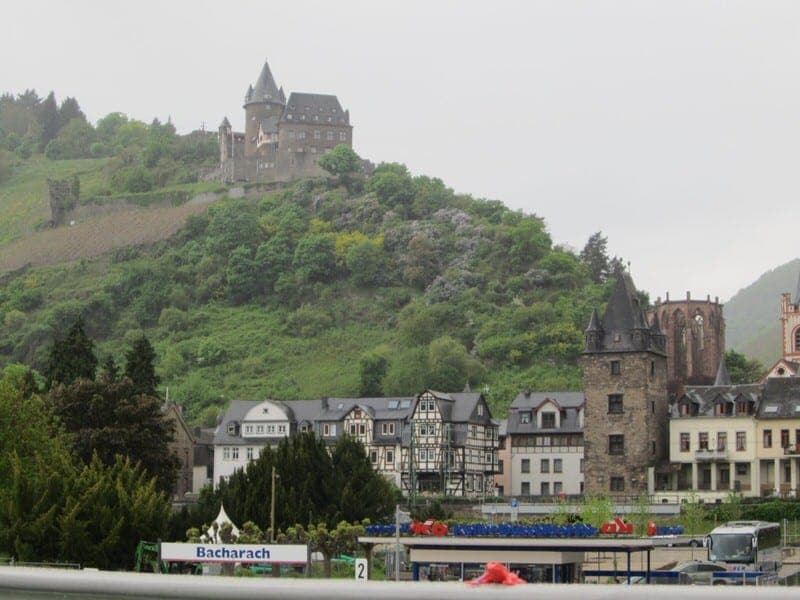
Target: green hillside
(387, 285)
(752, 315)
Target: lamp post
(272, 507)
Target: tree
(110, 419)
(449, 364)
(69, 110)
(34, 462)
(741, 369)
(5, 165)
(140, 367)
(366, 262)
(372, 369)
(342, 160)
(333, 542)
(361, 492)
(314, 258)
(595, 257)
(107, 510)
(71, 357)
(242, 275)
(47, 116)
(596, 510)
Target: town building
(545, 430)
(182, 447)
(439, 443)
(625, 387)
(283, 138)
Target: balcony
(792, 450)
(710, 454)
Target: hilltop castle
(283, 139)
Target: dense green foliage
(313, 485)
(743, 370)
(143, 157)
(283, 296)
(52, 507)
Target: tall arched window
(797, 340)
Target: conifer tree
(71, 357)
(140, 367)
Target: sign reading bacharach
(244, 553)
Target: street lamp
(272, 507)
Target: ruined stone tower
(695, 340)
(625, 385)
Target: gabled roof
(323, 109)
(569, 404)
(535, 399)
(265, 89)
(705, 396)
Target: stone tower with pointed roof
(695, 339)
(283, 139)
(625, 386)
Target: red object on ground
(439, 529)
(651, 528)
(616, 525)
(497, 573)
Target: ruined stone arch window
(699, 321)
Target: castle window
(301, 135)
(685, 442)
(615, 367)
(617, 484)
(616, 444)
(342, 136)
(291, 134)
(615, 404)
(317, 134)
(329, 135)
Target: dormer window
(548, 420)
(480, 410)
(231, 428)
(525, 417)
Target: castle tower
(625, 385)
(695, 340)
(262, 101)
(790, 325)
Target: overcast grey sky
(671, 126)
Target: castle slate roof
(623, 327)
(314, 108)
(265, 89)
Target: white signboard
(362, 573)
(234, 553)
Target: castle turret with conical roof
(264, 100)
(625, 374)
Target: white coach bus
(746, 546)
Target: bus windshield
(731, 547)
